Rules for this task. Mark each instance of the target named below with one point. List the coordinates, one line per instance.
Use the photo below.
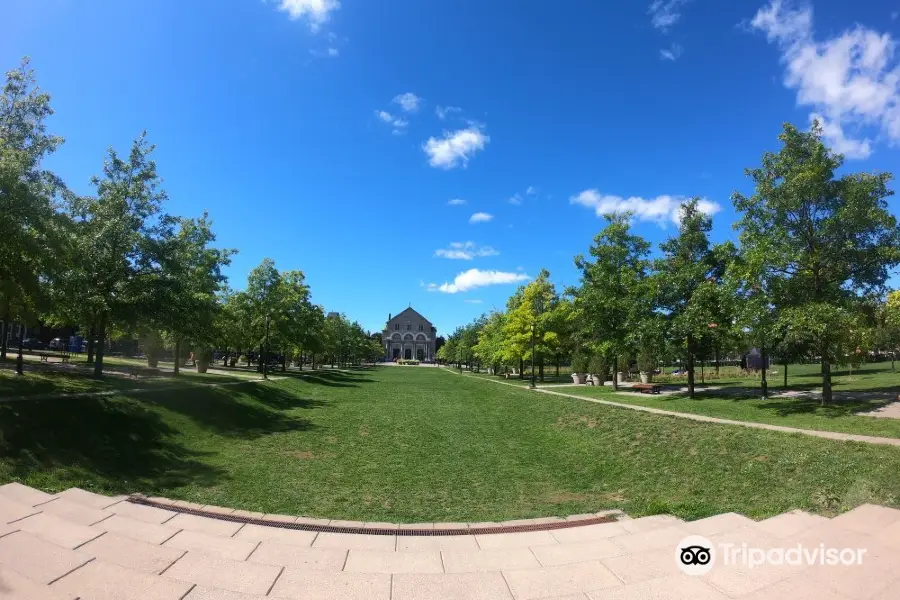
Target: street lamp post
(532, 386)
(266, 352)
(20, 359)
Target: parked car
(57, 344)
(33, 344)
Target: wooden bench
(647, 388)
(46, 355)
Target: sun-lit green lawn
(423, 444)
(874, 386)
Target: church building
(409, 335)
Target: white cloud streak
(465, 251)
(455, 148)
(457, 202)
(665, 13)
(408, 102)
(443, 112)
(515, 200)
(849, 81)
(661, 210)
(316, 12)
(476, 278)
(398, 124)
(481, 217)
(672, 53)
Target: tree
(28, 220)
(686, 281)
(531, 317)
(614, 301)
(825, 239)
(123, 242)
(489, 349)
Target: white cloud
(398, 124)
(316, 12)
(665, 13)
(661, 210)
(515, 200)
(457, 202)
(333, 52)
(480, 217)
(455, 148)
(443, 112)
(531, 191)
(465, 251)
(473, 301)
(476, 278)
(850, 81)
(408, 102)
(671, 53)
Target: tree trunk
(177, 369)
(785, 374)
(690, 365)
(101, 343)
(91, 347)
(826, 381)
(763, 384)
(283, 360)
(557, 369)
(4, 333)
(541, 370)
(717, 359)
(259, 361)
(521, 369)
(301, 360)
(615, 380)
(225, 358)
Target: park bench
(46, 355)
(145, 371)
(647, 388)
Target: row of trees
(115, 264)
(808, 279)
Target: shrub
(599, 366)
(646, 362)
(579, 362)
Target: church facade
(409, 335)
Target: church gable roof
(409, 313)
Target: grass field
(421, 444)
(872, 387)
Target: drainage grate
(381, 531)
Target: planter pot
(577, 378)
(202, 366)
(620, 377)
(646, 377)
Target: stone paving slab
(36, 559)
(211, 544)
(462, 586)
(468, 561)
(13, 511)
(57, 530)
(376, 561)
(17, 587)
(138, 512)
(514, 540)
(295, 583)
(564, 554)
(527, 584)
(74, 512)
(208, 593)
(218, 572)
(204, 525)
(351, 541)
(106, 581)
(424, 543)
(298, 557)
(89, 499)
(258, 533)
(23, 494)
(138, 530)
(790, 524)
(132, 554)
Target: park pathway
(831, 435)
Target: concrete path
(831, 435)
(78, 544)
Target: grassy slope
(417, 444)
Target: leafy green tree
(825, 239)
(614, 301)
(686, 282)
(28, 220)
(489, 349)
(122, 244)
(531, 315)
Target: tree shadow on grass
(331, 378)
(843, 405)
(113, 444)
(248, 412)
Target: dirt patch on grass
(573, 420)
(363, 431)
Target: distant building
(409, 335)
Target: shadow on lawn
(331, 378)
(113, 441)
(248, 411)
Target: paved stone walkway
(78, 544)
(831, 435)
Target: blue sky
(332, 136)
